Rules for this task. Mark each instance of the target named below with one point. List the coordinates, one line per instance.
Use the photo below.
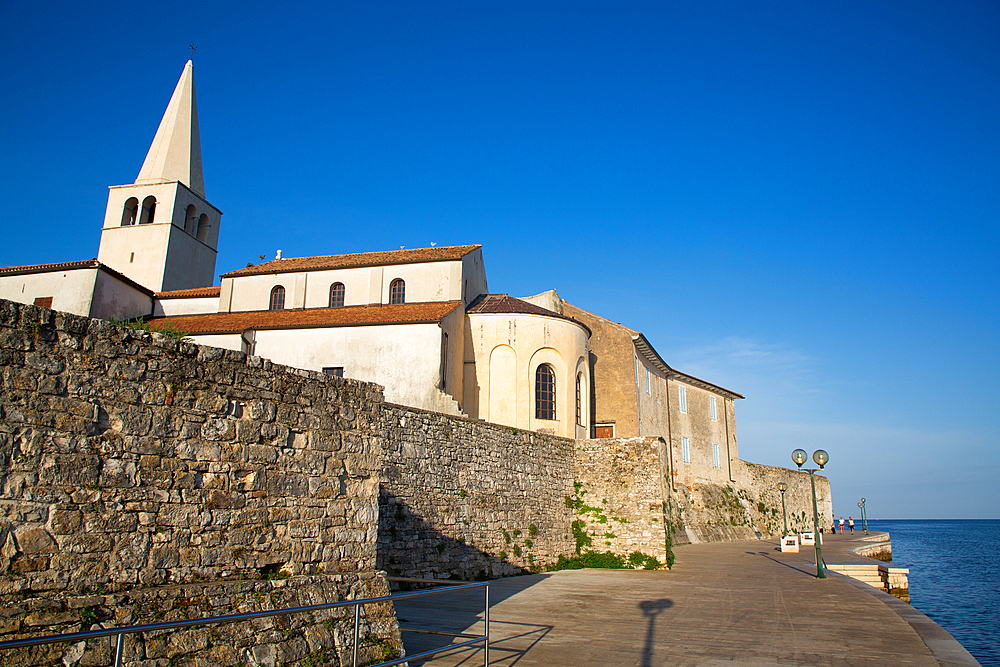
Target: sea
(954, 576)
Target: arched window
(277, 298)
(337, 295)
(545, 392)
(130, 212)
(191, 220)
(203, 226)
(579, 398)
(397, 292)
(148, 210)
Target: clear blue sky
(795, 200)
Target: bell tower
(161, 231)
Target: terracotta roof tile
(504, 303)
(189, 293)
(410, 313)
(66, 266)
(321, 262)
(39, 268)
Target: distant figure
(850, 522)
(841, 525)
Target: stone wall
(713, 512)
(141, 475)
(130, 461)
(325, 636)
(619, 495)
(765, 513)
(468, 499)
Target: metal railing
(117, 635)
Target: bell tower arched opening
(148, 210)
(130, 212)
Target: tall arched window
(545, 392)
(397, 292)
(130, 212)
(277, 298)
(337, 295)
(191, 220)
(148, 210)
(202, 232)
(579, 398)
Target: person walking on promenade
(841, 525)
(850, 523)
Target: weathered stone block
(219, 429)
(35, 541)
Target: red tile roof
(504, 303)
(410, 313)
(41, 268)
(190, 293)
(69, 266)
(412, 256)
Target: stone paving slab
(736, 603)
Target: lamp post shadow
(651, 609)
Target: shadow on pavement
(651, 609)
(811, 572)
(507, 649)
(411, 547)
(462, 611)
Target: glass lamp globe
(782, 487)
(821, 458)
(799, 456)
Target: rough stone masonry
(148, 479)
(144, 479)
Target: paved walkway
(737, 603)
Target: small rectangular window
(336, 371)
(43, 301)
(686, 450)
(647, 383)
(715, 454)
(712, 402)
(682, 393)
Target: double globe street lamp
(821, 458)
(864, 521)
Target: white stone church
(420, 322)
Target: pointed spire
(175, 154)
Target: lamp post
(821, 458)
(864, 521)
(783, 487)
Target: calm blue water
(954, 576)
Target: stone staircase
(894, 580)
(869, 574)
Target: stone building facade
(420, 322)
(710, 493)
(143, 478)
